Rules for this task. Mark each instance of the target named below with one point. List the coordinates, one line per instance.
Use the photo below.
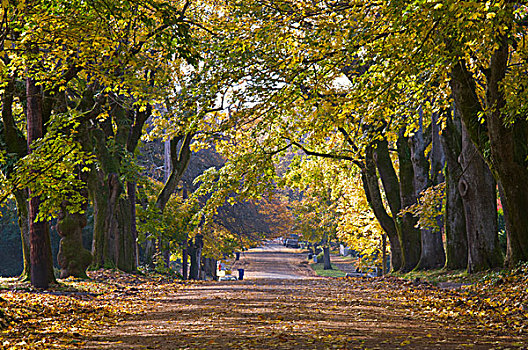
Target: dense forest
(160, 127)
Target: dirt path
(289, 309)
(274, 261)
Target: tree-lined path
(295, 312)
(274, 261)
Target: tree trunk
(113, 244)
(131, 192)
(437, 157)
(391, 187)
(454, 217)
(38, 231)
(504, 211)
(507, 142)
(185, 262)
(21, 197)
(388, 176)
(432, 255)
(370, 182)
(409, 235)
(384, 254)
(478, 190)
(72, 257)
(195, 252)
(209, 265)
(180, 158)
(326, 258)
(509, 153)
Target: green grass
(441, 275)
(319, 269)
(348, 257)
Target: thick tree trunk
(507, 142)
(478, 190)
(384, 254)
(454, 217)
(409, 235)
(72, 257)
(326, 258)
(437, 157)
(209, 265)
(433, 255)
(370, 182)
(195, 252)
(114, 244)
(38, 231)
(509, 153)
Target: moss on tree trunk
(72, 257)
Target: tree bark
(131, 192)
(195, 252)
(384, 254)
(509, 156)
(114, 244)
(185, 262)
(391, 186)
(478, 190)
(409, 235)
(454, 217)
(327, 265)
(504, 211)
(72, 257)
(507, 142)
(209, 268)
(432, 255)
(370, 182)
(21, 197)
(388, 176)
(38, 231)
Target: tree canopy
(378, 115)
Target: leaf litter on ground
(63, 315)
(74, 310)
